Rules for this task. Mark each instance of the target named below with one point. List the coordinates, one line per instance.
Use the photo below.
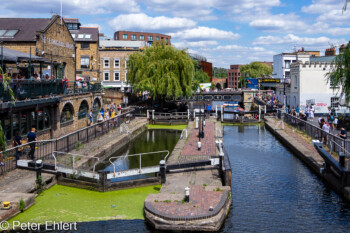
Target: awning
(11, 55)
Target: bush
(22, 205)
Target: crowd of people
(112, 110)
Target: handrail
(343, 147)
(183, 131)
(139, 154)
(67, 135)
(86, 156)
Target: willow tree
(340, 73)
(162, 70)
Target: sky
(224, 31)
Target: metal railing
(44, 149)
(140, 158)
(333, 142)
(31, 89)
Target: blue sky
(224, 31)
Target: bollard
(162, 169)
(197, 120)
(187, 194)
(38, 167)
(203, 122)
(342, 159)
(199, 145)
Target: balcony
(30, 89)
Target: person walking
(17, 141)
(31, 139)
(91, 118)
(312, 112)
(326, 129)
(331, 120)
(297, 110)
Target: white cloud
(201, 9)
(205, 33)
(329, 11)
(143, 22)
(279, 23)
(295, 40)
(74, 7)
(195, 44)
(93, 25)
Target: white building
(281, 65)
(309, 84)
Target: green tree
(6, 87)
(162, 70)
(340, 73)
(199, 75)
(220, 72)
(254, 70)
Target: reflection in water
(148, 141)
(272, 191)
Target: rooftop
(23, 29)
(85, 34)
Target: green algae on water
(175, 127)
(67, 204)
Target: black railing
(31, 89)
(333, 142)
(66, 143)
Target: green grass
(67, 204)
(175, 127)
(231, 124)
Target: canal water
(272, 191)
(148, 141)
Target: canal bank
(305, 151)
(205, 204)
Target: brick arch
(83, 111)
(64, 115)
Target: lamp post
(2, 56)
(284, 88)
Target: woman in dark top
(17, 141)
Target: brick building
(113, 58)
(149, 38)
(233, 76)
(87, 48)
(45, 37)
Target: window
(332, 83)
(150, 38)
(133, 37)
(125, 36)
(116, 63)
(73, 35)
(67, 113)
(87, 36)
(72, 26)
(43, 120)
(8, 33)
(167, 40)
(85, 45)
(80, 36)
(116, 76)
(83, 110)
(106, 76)
(334, 102)
(105, 62)
(287, 64)
(84, 62)
(142, 37)
(157, 38)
